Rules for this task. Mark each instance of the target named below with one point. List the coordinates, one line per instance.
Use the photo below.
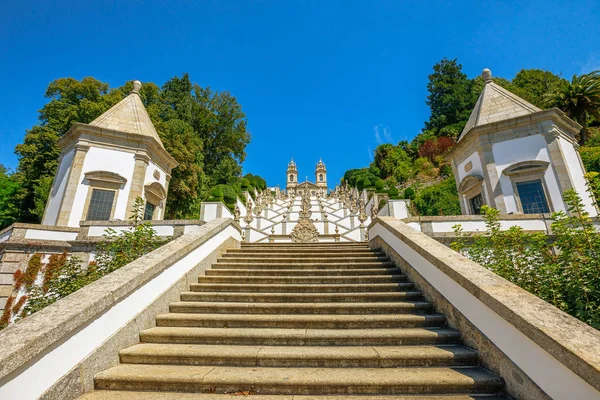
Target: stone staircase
(307, 321)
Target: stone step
(315, 259)
(298, 288)
(300, 356)
(301, 252)
(143, 395)
(312, 259)
(305, 265)
(300, 337)
(301, 297)
(300, 308)
(296, 256)
(306, 280)
(307, 381)
(301, 321)
(341, 245)
(308, 273)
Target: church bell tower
(292, 178)
(321, 176)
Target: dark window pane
(149, 211)
(532, 197)
(476, 203)
(100, 205)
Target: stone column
(73, 180)
(137, 181)
(491, 179)
(557, 162)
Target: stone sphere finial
(486, 74)
(137, 85)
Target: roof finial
(137, 85)
(486, 74)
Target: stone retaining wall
(541, 352)
(55, 353)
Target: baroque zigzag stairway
(300, 321)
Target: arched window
(320, 177)
(291, 178)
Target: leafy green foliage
(65, 275)
(579, 99)
(451, 98)
(565, 272)
(590, 156)
(438, 199)
(379, 185)
(9, 188)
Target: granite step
(307, 273)
(305, 265)
(301, 321)
(354, 297)
(307, 381)
(300, 288)
(300, 356)
(281, 258)
(280, 279)
(300, 337)
(415, 307)
(143, 395)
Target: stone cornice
(567, 128)
(110, 138)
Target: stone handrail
(42, 348)
(558, 353)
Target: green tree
(579, 99)
(9, 187)
(393, 161)
(451, 98)
(534, 84)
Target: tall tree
(450, 98)
(9, 187)
(579, 99)
(535, 83)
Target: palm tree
(579, 99)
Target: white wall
(99, 159)
(577, 175)
(526, 148)
(58, 189)
(149, 178)
(476, 170)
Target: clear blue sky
(329, 79)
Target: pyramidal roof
(130, 116)
(496, 104)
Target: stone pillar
(557, 161)
(491, 179)
(73, 180)
(137, 181)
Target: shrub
(245, 184)
(590, 156)
(216, 194)
(393, 192)
(564, 272)
(379, 184)
(366, 183)
(68, 275)
(409, 193)
(439, 199)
